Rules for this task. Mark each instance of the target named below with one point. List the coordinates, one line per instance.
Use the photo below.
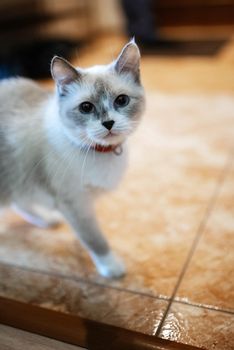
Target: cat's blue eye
(122, 101)
(86, 107)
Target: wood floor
(16, 339)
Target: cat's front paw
(109, 265)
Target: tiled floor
(171, 220)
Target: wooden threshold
(79, 331)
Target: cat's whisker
(60, 166)
(84, 161)
(72, 156)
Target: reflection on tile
(210, 275)
(176, 158)
(119, 308)
(203, 328)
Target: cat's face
(102, 104)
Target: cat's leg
(81, 217)
(34, 216)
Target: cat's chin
(110, 140)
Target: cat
(60, 150)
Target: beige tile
(199, 327)
(176, 158)
(210, 276)
(119, 308)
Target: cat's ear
(129, 60)
(63, 73)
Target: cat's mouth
(110, 135)
(106, 138)
(111, 138)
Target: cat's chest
(105, 171)
(93, 169)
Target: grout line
(204, 306)
(85, 281)
(200, 230)
(125, 290)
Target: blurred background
(32, 31)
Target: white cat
(59, 150)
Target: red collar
(117, 149)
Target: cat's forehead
(107, 83)
(103, 80)
(94, 90)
